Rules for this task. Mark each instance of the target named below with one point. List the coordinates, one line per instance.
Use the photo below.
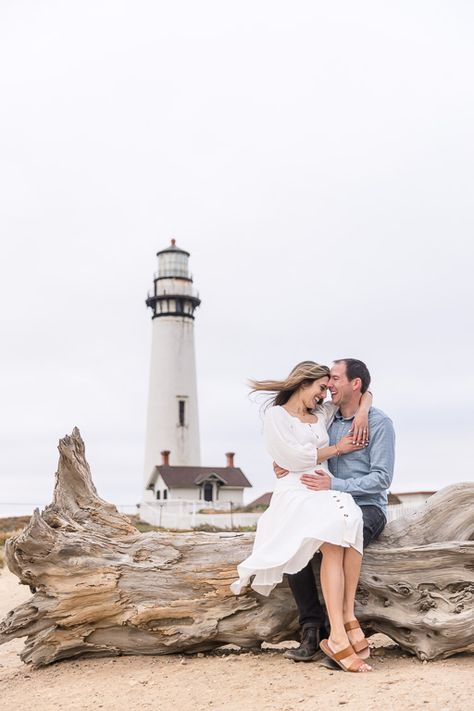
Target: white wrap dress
(298, 520)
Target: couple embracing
(334, 462)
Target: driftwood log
(102, 588)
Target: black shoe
(309, 647)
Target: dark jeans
(303, 584)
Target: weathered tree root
(103, 588)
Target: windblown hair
(302, 375)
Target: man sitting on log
(366, 474)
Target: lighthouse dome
(173, 292)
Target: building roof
(172, 248)
(185, 477)
(414, 493)
(263, 500)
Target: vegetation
(207, 528)
(10, 527)
(259, 508)
(144, 527)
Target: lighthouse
(172, 422)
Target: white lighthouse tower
(173, 422)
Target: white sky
(315, 158)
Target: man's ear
(356, 384)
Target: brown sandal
(343, 654)
(362, 646)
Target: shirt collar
(338, 416)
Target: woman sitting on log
(299, 522)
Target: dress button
(346, 515)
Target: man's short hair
(356, 369)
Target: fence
(398, 510)
(182, 514)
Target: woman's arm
(283, 446)
(360, 424)
(344, 446)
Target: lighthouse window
(182, 420)
(173, 264)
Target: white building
(406, 502)
(172, 422)
(411, 498)
(206, 485)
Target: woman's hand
(279, 471)
(360, 423)
(360, 427)
(346, 445)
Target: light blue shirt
(366, 474)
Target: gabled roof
(205, 477)
(398, 498)
(186, 477)
(263, 500)
(414, 493)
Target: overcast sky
(317, 161)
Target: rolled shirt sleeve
(282, 444)
(381, 459)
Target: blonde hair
(302, 375)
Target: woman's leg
(333, 586)
(352, 565)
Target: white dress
(298, 520)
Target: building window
(157, 494)
(165, 494)
(181, 413)
(208, 491)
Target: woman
(300, 522)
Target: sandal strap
(360, 645)
(352, 625)
(356, 665)
(343, 653)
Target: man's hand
(279, 471)
(319, 481)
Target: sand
(230, 681)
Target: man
(366, 474)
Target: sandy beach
(230, 680)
